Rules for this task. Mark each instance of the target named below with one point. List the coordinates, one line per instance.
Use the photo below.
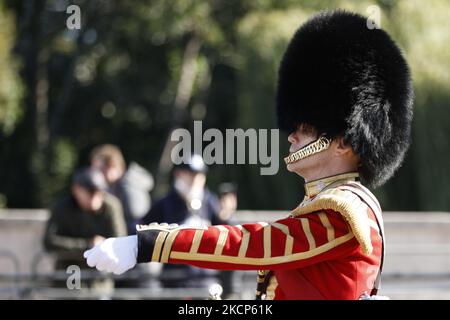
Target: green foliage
(11, 89)
(426, 40)
(64, 158)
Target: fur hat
(345, 79)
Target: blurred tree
(424, 34)
(11, 89)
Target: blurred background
(135, 70)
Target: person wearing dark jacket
(188, 203)
(81, 220)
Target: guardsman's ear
(341, 147)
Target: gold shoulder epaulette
(349, 205)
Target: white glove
(115, 255)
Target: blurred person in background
(188, 203)
(228, 205)
(228, 200)
(83, 219)
(131, 186)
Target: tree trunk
(184, 93)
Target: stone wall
(417, 261)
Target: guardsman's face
(298, 139)
(338, 157)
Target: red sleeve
(287, 243)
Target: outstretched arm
(286, 243)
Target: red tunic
(332, 252)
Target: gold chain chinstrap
(321, 144)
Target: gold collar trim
(314, 187)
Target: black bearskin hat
(345, 79)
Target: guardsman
(345, 98)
